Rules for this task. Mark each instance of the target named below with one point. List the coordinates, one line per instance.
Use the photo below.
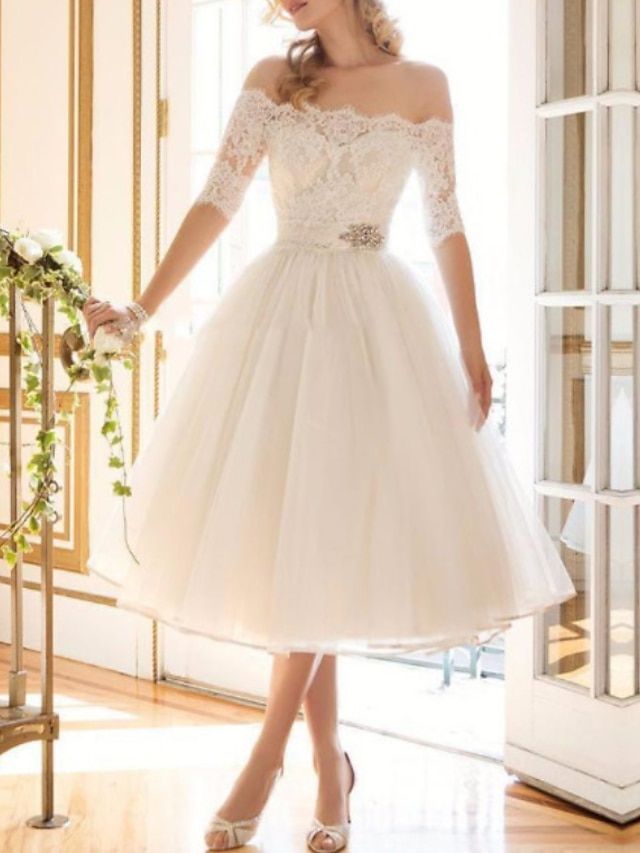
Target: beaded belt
(354, 235)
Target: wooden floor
(139, 767)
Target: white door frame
(580, 744)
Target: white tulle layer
(314, 483)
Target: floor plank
(140, 766)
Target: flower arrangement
(39, 266)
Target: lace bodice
(334, 169)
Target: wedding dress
(313, 482)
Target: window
(588, 335)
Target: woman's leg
(334, 776)
(289, 681)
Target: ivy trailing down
(39, 266)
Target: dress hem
(348, 645)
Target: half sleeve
(242, 148)
(435, 165)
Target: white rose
(106, 342)
(69, 259)
(28, 249)
(48, 238)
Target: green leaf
(101, 372)
(9, 555)
(47, 438)
(22, 544)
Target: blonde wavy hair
(306, 56)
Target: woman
(322, 479)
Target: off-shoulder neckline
(348, 109)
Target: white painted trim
(621, 804)
(587, 103)
(567, 298)
(579, 743)
(579, 491)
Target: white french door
(219, 46)
(573, 673)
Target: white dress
(314, 482)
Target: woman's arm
(454, 261)
(199, 229)
(241, 150)
(436, 168)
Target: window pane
(623, 398)
(567, 626)
(622, 46)
(205, 67)
(624, 228)
(567, 194)
(567, 451)
(622, 538)
(566, 49)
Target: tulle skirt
(314, 481)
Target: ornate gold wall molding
(71, 538)
(137, 217)
(80, 130)
(71, 535)
(92, 597)
(84, 198)
(1, 125)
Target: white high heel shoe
(337, 832)
(239, 832)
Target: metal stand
(20, 723)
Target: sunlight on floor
(157, 786)
(412, 702)
(130, 747)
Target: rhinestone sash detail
(354, 235)
(363, 235)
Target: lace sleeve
(242, 148)
(435, 164)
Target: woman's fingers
(89, 309)
(90, 305)
(482, 392)
(485, 392)
(102, 314)
(488, 381)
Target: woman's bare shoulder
(265, 74)
(430, 85)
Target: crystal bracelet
(128, 327)
(139, 312)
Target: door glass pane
(206, 103)
(623, 427)
(622, 43)
(567, 202)
(622, 539)
(567, 451)
(624, 230)
(566, 48)
(567, 626)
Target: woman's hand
(480, 382)
(101, 311)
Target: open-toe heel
(239, 832)
(337, 832)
